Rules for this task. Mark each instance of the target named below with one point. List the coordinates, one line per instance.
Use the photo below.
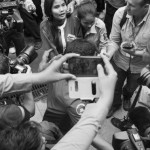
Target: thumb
(100, 71)
(68, 76)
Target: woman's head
(55, 9)
(86, 13)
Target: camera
(128, 140)
(10, 20)
(135, 138)
(86, 86)
(10, 17)
(27, 55)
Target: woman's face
(59, 9)
(88, 21)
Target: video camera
(130, 140)
(10, 17)
(135, 138)
(27, 55)
(10, 20)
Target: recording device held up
(85, 69)
(27, 55)
(135, 138)
(10, 19)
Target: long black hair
(48, 8)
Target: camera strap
(136, 98)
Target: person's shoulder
(99, 23)
(44, 23)
(120, 11)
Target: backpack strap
(123, 20)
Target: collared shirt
(97, 34)
(139, 34)
(116, 3)
(82, 134)
(15, 83)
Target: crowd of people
(73, 28)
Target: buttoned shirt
(97, 34)
(139, 34)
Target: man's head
(26, 137)
(10, 116)
(137, 7)
(82, 47)
(4, 64)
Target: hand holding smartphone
(85, 69)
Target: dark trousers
(17, 38)
(30, 23)
(100, 5)
(128, 89)
(39, 12)
(110, 11)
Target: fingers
(109, 68)
(67, 76)
(100, 71)
(66, 57)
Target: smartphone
(84, 66)
(84, 88)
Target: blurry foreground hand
(52, 72)
(107, 77)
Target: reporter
(15, 83)
(10, 114)
(94, 114)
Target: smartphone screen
(84, 66)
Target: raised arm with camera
(82, 134)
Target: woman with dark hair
(91, 28)
(56, 28)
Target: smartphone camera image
(84, 66)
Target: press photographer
(11, 27)
(12, 114)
